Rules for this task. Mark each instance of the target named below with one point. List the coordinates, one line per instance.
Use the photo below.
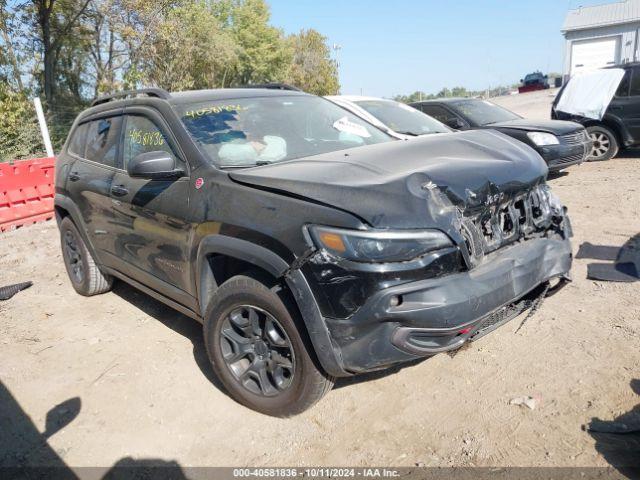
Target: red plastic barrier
(26, 192)
(531, 88)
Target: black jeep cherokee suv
(310, 244)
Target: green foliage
(190, 50)
(19, 131)
(70, 51)
(264, 55)
(312, 68)
(461, 92)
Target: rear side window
(102, 141)
(141, 136)
(623, 88)
(635, 82)
(78, 140)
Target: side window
(635, 82)
(78, 140)
(141, 136)
(623, 88)
(102, 141)
(439, 113)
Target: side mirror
(455, 123)
(521, 80)
(154, 165)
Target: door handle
(119, 190)
(74, 176)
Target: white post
(43, 127)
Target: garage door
(592, 54)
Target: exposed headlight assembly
(541, 138)
(378, 246)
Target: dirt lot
(147, 392)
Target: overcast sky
(394, 47)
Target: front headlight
(541, 138)
(380, 246)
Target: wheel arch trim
(65, 203)
(327, 353)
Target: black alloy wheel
(257, 350)
(73, 255)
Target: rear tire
(605, 144)
(259, 352)
(85, 276)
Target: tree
(264, 55)
(56, 20)
(312, 68)
(190, 49)
(7, 54)
(19, 132)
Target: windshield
(245, 132)
(402, 118)
(481, 112)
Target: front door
(153, 236)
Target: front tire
(258, 351)
(605, 144)
(85, 275)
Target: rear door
(94, 148)
(153, 234)
(625, 105)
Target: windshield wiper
(406, 133)
(259, 163)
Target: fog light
(395, 301)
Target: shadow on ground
(179, 323)
(618, 440)
(26, 453)
(192, 330)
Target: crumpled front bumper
(442, 313)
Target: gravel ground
(136, 372)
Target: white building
(601, 35)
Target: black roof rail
(273, 86)
(150, 92)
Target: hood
(557, 127)
(417, 183)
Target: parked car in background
(534, 81)
(397, 119)
(309, 243)
(619, 127)
(561, 144)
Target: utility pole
(336, 49)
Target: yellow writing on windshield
(143, 138)
(214, 109)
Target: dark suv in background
(620, 126)
(561, 144)
(309, 243)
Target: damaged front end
(454, 232)
(505, 248)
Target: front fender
(327, 354)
